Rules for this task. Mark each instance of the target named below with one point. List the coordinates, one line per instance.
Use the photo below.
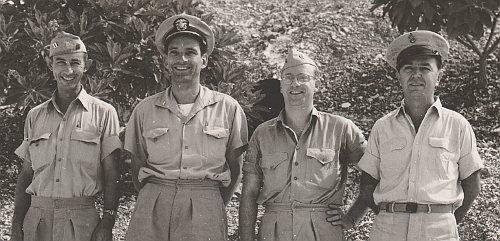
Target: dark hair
(203, 47)
(439, 64)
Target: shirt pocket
(215, 139)
(393, 158)
(322, 167)
(444, 152)
(41, 152)
(85, 148)
(275, 172)
(157, 144)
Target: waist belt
(63, 203)
(296, 206)
(415, 207)
(187, 183)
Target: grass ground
(348, 42)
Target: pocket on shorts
(41, 152)
(31, 223)
(323, 171)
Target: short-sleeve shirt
(66, 150)
(425, 166)
(175, 146)
(304, 168)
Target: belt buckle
(411, 207)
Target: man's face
(184, 60)
(296, 93)
(419, 77)
(68, 69)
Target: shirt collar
(281, 117)
(82, 96)
(437, 106)
(206, 97)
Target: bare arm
(248, 206)
(360, 206)
(22, 201)
(135, 166)
(234, 159)
(471, 186)
(103, 232)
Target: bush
(119, 35)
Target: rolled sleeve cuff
(250, 167)
(109, 145)
(370, 164)
(22, 151)
(469, 164)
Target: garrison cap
(416, 43)
(184, 23)
(296, 58)
(66, 43)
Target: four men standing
(420, 169)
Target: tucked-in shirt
(304, 168)
(66, 150)
(175, 146)
(425, 166)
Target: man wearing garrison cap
(421, 166)
(70, 152)
(296, 164)
(186, 144)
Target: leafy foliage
(119, 35)
(464, 20)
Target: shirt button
(296, 163)
(295, 178)
(61, 139)
(297, 147)
(186, 147)
(64, 119)
(59, 159)
(57, 180)
(184, 168)
(413, 180)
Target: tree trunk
(483, 75)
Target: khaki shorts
(188, 210)
(68, 219)
(298, 223)
(414, 227)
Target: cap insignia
(77, 47)
(54, 45)
(412, 38)
(181, 24)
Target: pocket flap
(155, 133)
(85, 136)
(445, 143)
(44, 136)
(395, 144)
(271, 161)
(216, 131)
(323, 155)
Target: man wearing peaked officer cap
(421, 166)
(186, 144)
(69, 154)
(296, 164)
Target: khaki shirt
(66, 150)
(305, 169)
(425, 166)
(175, 146)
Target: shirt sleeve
(469, 161)
(370, 162)
(251, 163)
(23, 150)
(110, 134)
(134, 140)
(355, 142)
(238, 135)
